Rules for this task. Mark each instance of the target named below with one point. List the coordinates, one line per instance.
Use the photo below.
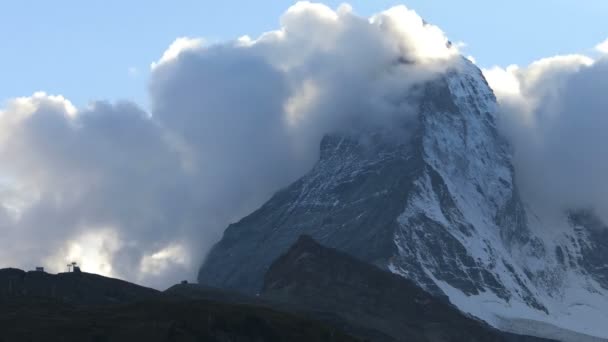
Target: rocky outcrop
(319, 279)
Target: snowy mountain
(441, 208)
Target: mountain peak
(305, 242)
(440, 208)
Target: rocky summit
(440, 207)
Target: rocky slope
(439, 207)
(317, 279)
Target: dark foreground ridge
(42, 307)
(311, 293)
(75, 288)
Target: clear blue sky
(84, 49)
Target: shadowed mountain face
(320, 279)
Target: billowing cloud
(176, 48)
(554, 111)
(143, 195)
(100, 186)
(602, 47)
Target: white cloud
(23, 107)
(553, 111)
(503, 81)
(230, 124)
(157, 263)
(421, 40)
(93, 251)
(178, 46)
(69, 171)
(602, 47)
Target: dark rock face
(352, 208)
(321, 279)
(592, 237)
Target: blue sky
(88, 50)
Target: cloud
(158, 262)
(144, 195)
(94, 248)
(554, 113)
(104, 173)
(176, 48)
(602, 47)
